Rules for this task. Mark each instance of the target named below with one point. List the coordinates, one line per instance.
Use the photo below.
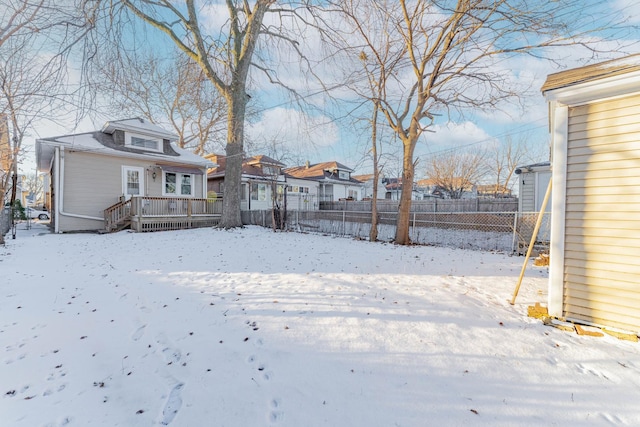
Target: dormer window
(143, 142)
(343, 174)
(270, 170)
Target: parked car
(36, 213)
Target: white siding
(602, 216)
(527, 192)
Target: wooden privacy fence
(431, 205)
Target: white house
(367, 186)
(327, 182)
(595, 230)
(262, 181)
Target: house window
(353, 194)
(270, 170)
(343, 175)
(144, 142)
(259, 192)
(297, 189)
(177, 184)
(132, 181)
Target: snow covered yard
(251, 328)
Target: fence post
(344, 226)
(414, 223)
(515, 227)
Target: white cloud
(293, 131)
(457, 135)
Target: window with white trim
(258, 192)
(143, 142)
(177, 184)
(343, 174)
(297, 189)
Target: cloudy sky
(318, 128)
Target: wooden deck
(162, 213)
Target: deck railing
(117, 215)
(162, 213)
(174, 206)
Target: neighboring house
(302, 194)
(6, 158)
(93, 171)
(493, 191)
(532, 186)
(433, 188)
(367, 186)
(595, 230)
(262, 178)
(393, 189)
(328, 181)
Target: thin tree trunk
(373, 233)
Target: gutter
(59, 183)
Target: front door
(132, 181)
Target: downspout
(60, 185)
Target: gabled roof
(263, 160)
(592, 72)
(102, 142)
(320, 172)
(138, 125)
(363, 178)
(250, 166)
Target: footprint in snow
(170, 354)
(137, 334)
(172, 405)
(275, 414)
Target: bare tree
(453, 49)
(505, 157)
(32, 183)
(172, 92)
(225, 58)
(457, 173)
(36, 39)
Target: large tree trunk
(235, 153)
(404, 209)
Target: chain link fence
(497, 231)
(523, 230)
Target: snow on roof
(138, 125)
(101, 142)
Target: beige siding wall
(602, 223)
(92, 183)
